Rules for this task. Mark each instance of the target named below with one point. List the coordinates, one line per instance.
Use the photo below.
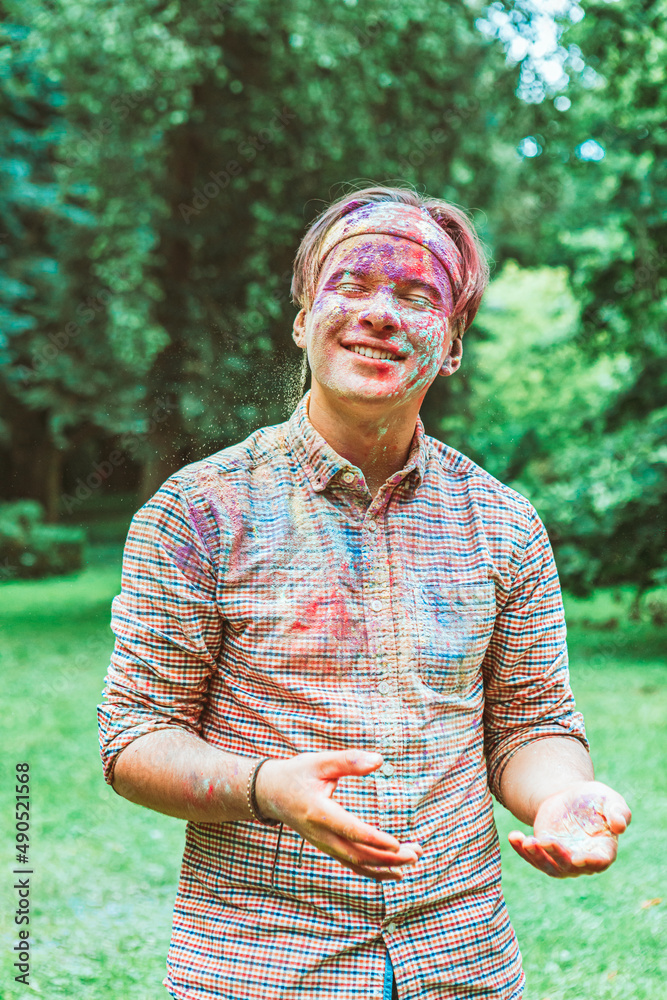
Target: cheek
(433, 331)
(431, 338)
(326, 320)
(328, 314)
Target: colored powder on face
(390, 275)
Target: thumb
(618, 817)
(340, 762)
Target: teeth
(367, 352)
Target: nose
(380, 314)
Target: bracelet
(252, 800)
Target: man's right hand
(299, 792)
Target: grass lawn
(105, 871)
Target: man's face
(379, 294)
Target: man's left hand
(575, 831)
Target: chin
(366, 391)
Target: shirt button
(387, 769)
(391, 928)
(383, 687)
(372, 526)
(348, 477)
(376, 605)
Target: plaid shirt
(272, 606)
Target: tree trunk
(34, 463)
(51, 474)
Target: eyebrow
(350, 272)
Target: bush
(30, 549)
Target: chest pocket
(455, 622)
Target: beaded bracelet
(252, 800)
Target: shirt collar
(322, 464)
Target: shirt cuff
(114, 739)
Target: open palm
(575, 831)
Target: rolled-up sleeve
(167, 627)
(526, 677)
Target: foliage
(197, 142)
(29, 548)
(162, 161)
(535, 415)
(596, 173)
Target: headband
(388, 218)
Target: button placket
(385, 704)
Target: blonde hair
(453, 220)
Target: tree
(596, 171)
(179, 153)
(201, 143)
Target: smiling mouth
(368, 352)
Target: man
(334, 641)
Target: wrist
(263, 796)
(541, 769)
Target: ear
(299, 329)
(453, 360)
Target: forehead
(389, 258)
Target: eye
(350, 286)
(420, 300)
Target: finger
(619, 819)
(554, 847)
(377, 875)
(527, 849)
(367, 856)
(329, 815)
(598, 857)
(590, 866)
(341, 851)
(542, 859)
(519, 843)
(530, 857)
(414, 846)
(594, 849)
(582, 860)
(517, 840)
(334, 764)
(616, 811)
